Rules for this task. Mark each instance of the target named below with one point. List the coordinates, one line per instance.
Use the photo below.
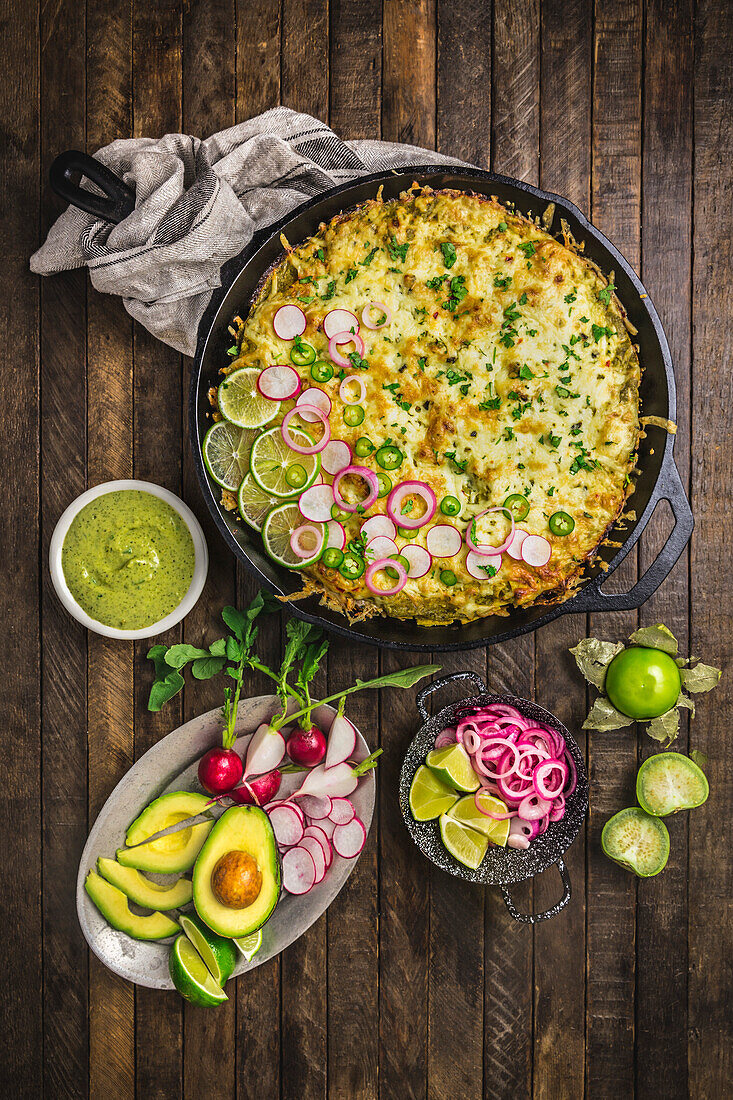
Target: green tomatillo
(643, 683)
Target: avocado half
(240, 829)
(176, 852)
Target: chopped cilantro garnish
(449, 253)
(437, 282)
(321, 255)
(457, 293)
(523, 299)
(572, 296)
(422, 362)
(599, 331)
(397, 251)
(357, 362)
(460, 464)
(330, 291)
(502, 284)
(525, 372)
(604, 295)
(528, 248)
(351, 274)
(368, 259)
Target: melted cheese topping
(506, 368)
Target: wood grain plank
(710, 874)
(209, 1037)
(109, 455)
(611, 893)
(304, 966)
(509, 948)
(661, 979)
(559, 980)
(157, 48)
(464, 80)
(258, 57)
(353, 918)
(64, 667)
(20, 861)
(409, 71)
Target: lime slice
(250, 945)
(241, 402)
(276, 531)
(254, 502)
(217, 952)
(271, 458)
(467, 812)
(190, 976)
(429, 796)
(466, 845)
(452, 764)
(226, 453)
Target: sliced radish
(286, 825)
(420, 560)
(378, 525)
(327, 827)
(314, 847)
(279, 382)
(340, 321)
(444, 541)
(313, 397)
(289, 804)
(342, 811)
(348, 840)
(336, 456)
(382, 547)
(477, 564)
(341, 742)
(264, 752)
(335, 535)
(343, 338)
(315, 806)
(514, 549)
(337, 782)
(289, 322)
(299, 870)
(316, 503)
(320, 835)
(536, 551)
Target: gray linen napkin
(198, 203)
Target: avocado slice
(241, 840)
(112, 904)
(141, 890)
(176, 852)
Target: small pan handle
(534, 918)
(669, 487)
(118, 200)
(436, 685)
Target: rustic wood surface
(413, 984)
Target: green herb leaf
(206, 667)
(397, 251)
(179, 655)
(603, 717)
(700, 678)
(368, 259)
(605, 296)
(593, 656)
(656, 637)
(218, 648)
(665, 728)
(449, 253)
(402, 678)
(163, 690)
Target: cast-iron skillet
(500, 866)
(658, 479)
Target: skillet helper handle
(118, 200)
(422, 696)
(669, 487)
(535, 918)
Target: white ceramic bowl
(200, 569)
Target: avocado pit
(236, 880)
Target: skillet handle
(118, 200)
(534, 918)
(669, 487)
(422, 696)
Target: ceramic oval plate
(171, 765)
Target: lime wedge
(241, 402)
(467, 812)
(271, 458)
(190, 976)
(466, 845)
(276, 531)
(226, 453)
(250, 945)
(254, 502)
(217, 952)
(452, 764)
(429, 796)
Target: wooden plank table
(413, 984)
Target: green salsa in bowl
(128, 559)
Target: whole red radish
(219, 770)
(307, 747)
(258, 792)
